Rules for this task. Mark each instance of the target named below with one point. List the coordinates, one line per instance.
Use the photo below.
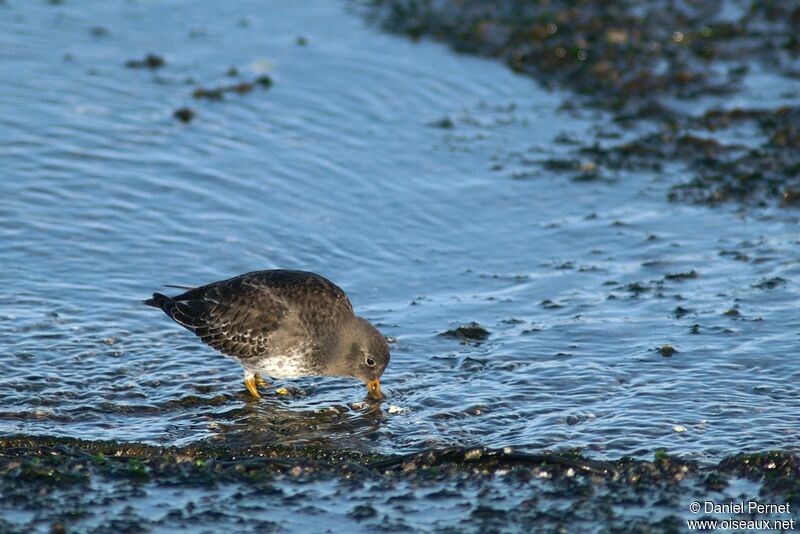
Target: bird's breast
(293, 364)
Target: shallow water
(340, 169)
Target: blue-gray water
(339, 169)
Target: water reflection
(277, 421)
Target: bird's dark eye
(370, 362)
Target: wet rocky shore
(71, 485)
(677, 77)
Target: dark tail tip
(157, 301)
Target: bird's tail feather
(187, 313)
(157, 301)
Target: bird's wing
(231, 316)
(238, 316)
(316, 302)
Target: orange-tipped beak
(374, 389)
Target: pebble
(473, 454)
(184, 114)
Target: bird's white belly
(289, 366)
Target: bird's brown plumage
(261, 313)
(284, 324)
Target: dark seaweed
(184, 114)
(217, 93)
(150, 61)
(630, 58)
(67, 482)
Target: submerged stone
(667, 350)
(150, 61)
(467, 332)
(689, 275)
(217, 93)
(184, 114)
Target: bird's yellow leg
(250, 383)
(260, 381)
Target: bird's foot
(260, 380)
(250, 381)
(250, 384)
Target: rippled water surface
(343, 168)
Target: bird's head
(368, 356)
